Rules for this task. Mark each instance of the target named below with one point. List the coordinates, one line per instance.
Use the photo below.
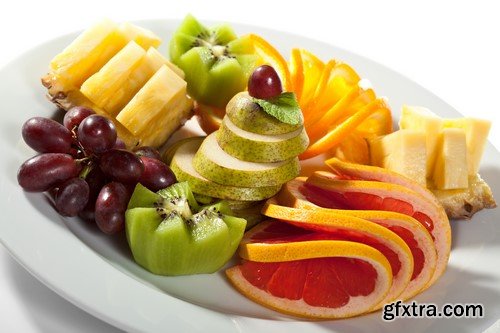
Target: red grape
(97, 134)
(110, 207)
(121, 165)
(72, 197)
(96, 180)
(119, 144)
(157, 175)
(75, 116)
(148, 152)
(264, 83)
(46, 135)
(44, 171)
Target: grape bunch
(88, 167)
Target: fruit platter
(213, 176)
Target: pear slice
(252, 147)
(183, 169)
(248, 115)
(215, 164)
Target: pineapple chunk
(422, 119)
(92, 49)
(151, 100)
(450, 171)
(101, 86)
(144, 70)
(87, 53)
(476, 136)
(173, 116)
(403, 151)
(141, 36)
(463, 203)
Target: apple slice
(215, 164)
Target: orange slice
(357, 97)
(209, 118)
(336, 135)
(294, 194)
(296, 72)
(270, 56)
(313, 69)
(310, 104)
(375, 195)
(379, 123)
(329, 224)
(353, 148)
(342, 78)
(314, 279)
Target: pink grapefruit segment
(318, 279)
(418, 239)
(374, 195)
(329, 225)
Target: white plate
(96, 272)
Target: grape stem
(87, 168)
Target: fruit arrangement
(368, 226)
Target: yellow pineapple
(148, 105)
(117, 71)
(143, 71)
(144, 38)
(101, 86)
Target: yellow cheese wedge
(422, 119)
(450, 171)
(403, 151)
(476, 136)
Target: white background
(450, 48)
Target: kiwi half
(216, 63)
(170, 234)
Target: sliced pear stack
(114, 69)
(244, 164)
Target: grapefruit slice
(294, 194)
(375, 195)
(346, 170)
(314, 279)
(328, 224)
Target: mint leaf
(284, 107)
